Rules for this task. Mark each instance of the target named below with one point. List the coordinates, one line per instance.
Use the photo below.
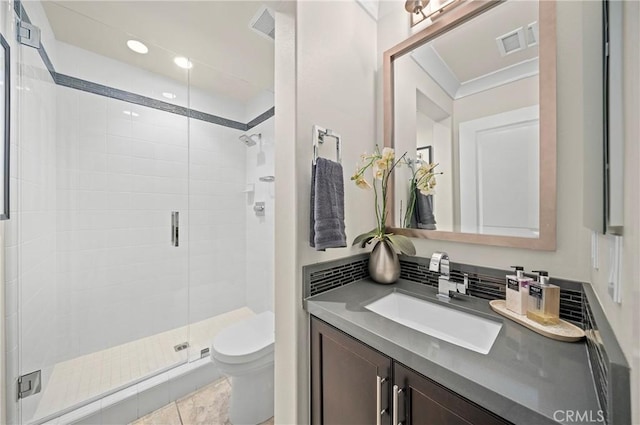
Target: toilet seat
(246, 341)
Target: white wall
(289, 317)
(438, 136)
(334, 87)
(409, 78)
(625, 317)
(515, 95)
(443, 206)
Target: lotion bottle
(544, 300)
(518, 291)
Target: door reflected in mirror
(469, 101)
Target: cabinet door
(424, 402)
(345, 376)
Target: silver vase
(384, 266)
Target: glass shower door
(102, 217)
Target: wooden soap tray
(563, 331)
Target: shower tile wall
(260, 229)
(131, 166)
(122, 169)
(36, 223)
(216, 211)
(119, 177)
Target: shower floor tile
(207, 406)
(76, 381)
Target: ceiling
(230, 59)
(469, 53)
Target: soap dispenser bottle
(544, 300)
(518, 291)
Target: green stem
(411, 204)
(375, 191)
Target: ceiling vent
(511, 42)
(264, 23)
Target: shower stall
(133, 237)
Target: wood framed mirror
(478, 86)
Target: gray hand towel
(423, 211)
(327, 206)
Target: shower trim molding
(137, 99)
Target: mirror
(474, 93)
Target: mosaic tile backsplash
(484, 282)
(321, 277)
(597, 357)
(490, 284)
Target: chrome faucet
(446, 286)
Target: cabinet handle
(396, 391)
(175, 226)
(379, 410)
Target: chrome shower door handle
(396, 391)
(175, 226)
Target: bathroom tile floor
(86, 377)
(207, 406)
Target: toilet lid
(245, 341)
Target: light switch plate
(615, 268)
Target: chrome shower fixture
(251, 140)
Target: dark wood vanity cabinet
(421, 401)
(349, 380)
(353, 384)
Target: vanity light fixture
(422, 10)
(137, 46)
(183, 62)
(415, 6)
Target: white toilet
(244, 352)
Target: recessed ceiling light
(183, 62)
(168, 95)
(137, 46)
(131, 114)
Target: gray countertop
(526, 378)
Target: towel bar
(319, 134)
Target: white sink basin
(451, 325)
